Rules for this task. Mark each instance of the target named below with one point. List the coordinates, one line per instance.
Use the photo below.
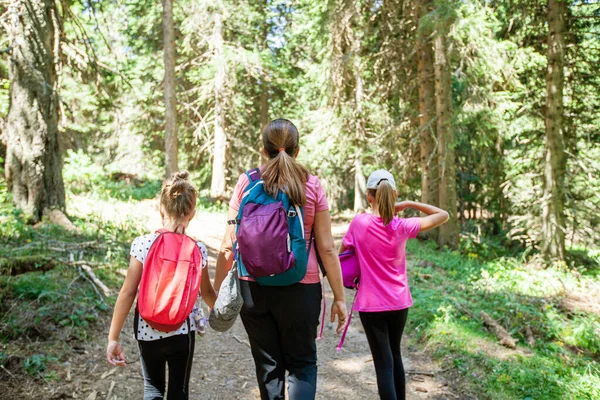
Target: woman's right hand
(338, 308)
(114, 354)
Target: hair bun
(181, 175)
(178, 187)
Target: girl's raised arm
(435, 216)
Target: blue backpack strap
(253, 175)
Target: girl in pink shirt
(383, 297)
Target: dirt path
(223, 366)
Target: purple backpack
(271, 246)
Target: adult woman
(282, 321)
(383, 298)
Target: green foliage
(37, 363)
(34, 286)
(206, 204)
(81, 175)
(445, 313)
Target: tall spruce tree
(170, 58)
(34, 158)
(553, 218)
(449, 232)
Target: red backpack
(170, 281)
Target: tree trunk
(34, 159)
(264, 86)
(264, 103)
(171, 145)
(553, 219)
(217, 185)
(448, 234)
(360, 186)
(427, 114)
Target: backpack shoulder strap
(253, 175)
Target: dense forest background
(487, 108)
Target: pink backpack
(170, 281)
(350, 269)
(350, 278)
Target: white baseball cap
(380, 175)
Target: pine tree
(34, 158)
(427, 110)
(553, 218)
(217, 186)
(449, 232)
(170, 57)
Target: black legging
(175, 351)
(384, 333)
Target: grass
(563, 362)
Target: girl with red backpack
(169, 269)
(378, 240)
(281, 308)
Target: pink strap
(322, 313)
(339, 346)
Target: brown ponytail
(385, 197)
(282, 172)
(178, 196)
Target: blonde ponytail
(386, 200)
(282, 171)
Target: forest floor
(54, 324)
(223, 366)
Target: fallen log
(22, 264)
(501, 333)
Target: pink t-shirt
(315, 202)
(381, 252)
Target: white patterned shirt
(139, 250)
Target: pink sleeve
(321, 203)
(348, 241)
(238, 192)
(412, 226)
